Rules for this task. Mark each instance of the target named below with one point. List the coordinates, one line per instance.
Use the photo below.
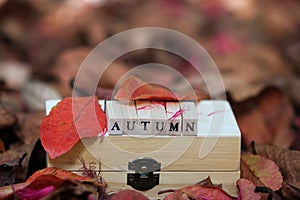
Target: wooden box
(152, 163)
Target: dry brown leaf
(10, 167)
(29, 124)
(2, 146)
(7, 118)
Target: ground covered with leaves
(255, 45)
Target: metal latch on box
(143, 177)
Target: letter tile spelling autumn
(152, 118)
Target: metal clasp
(143, 177)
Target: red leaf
(29, 194)
(41, 186)
(246, 190)
(177, 195)
(45, 180)
(70, 120)
(59, 173)
(199, 192)
(136, 89)
(7, 192)
(154, 92)
(129, 195)
(261, 171)
(288, 162)
(42, 182)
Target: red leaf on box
(153, 92)
(70, 120)
(135, 89)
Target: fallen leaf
(278, 115)
(74, 190)
(153, 91)
(247, 190)
(31, 194)
(261, 171)
(44, 181)
(59, 173)
(8, 125)
(266, 118)
(199, 192)
(128, 195)
(177, 195)
(253, 128)
(206, 192)
(288, 162)
(7, 118)
(195, 94)
(2, 146)
(135, 89)
(29, 126)
(128, 87)
(10, 167)
(57, 188)
(267, 193)
(68, 122)
(8, 192)
(290, 192)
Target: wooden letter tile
(130, 118)
(159, 118)
(174, 118)
(114, 117)
(189, 118)
(143, 109)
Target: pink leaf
(246, 190)
(261, 171)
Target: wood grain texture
(116, 151)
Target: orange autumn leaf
(127, 88)
(70, 120)
(135, 89)
(153, 92)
